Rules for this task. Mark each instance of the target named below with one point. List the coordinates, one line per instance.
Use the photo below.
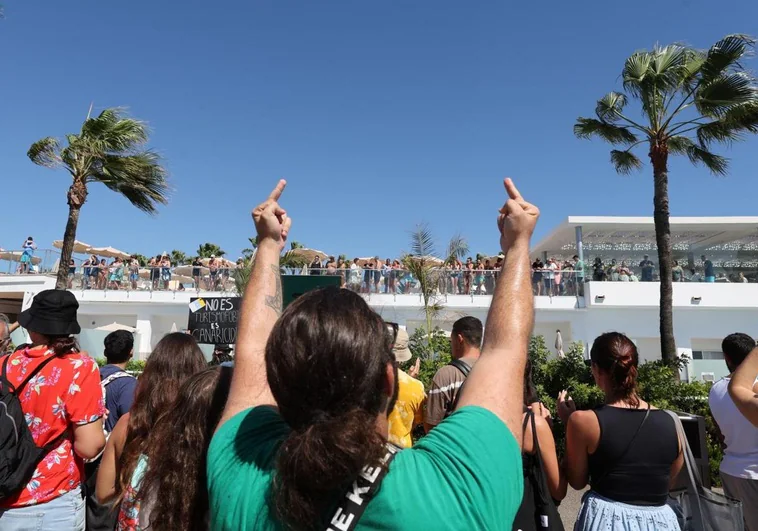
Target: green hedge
(133, 366)
(552, 375)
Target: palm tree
(207, 250)
(288, 259)
(178, 258)
(110, 150)
(425, 268)
(690, 100)
(249, 252)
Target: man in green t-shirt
(311, 391)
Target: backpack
(465, 369)
(19, 454)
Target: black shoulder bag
(537, 510)
(465, 369)
(353, 504)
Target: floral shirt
(65, 392)
(408, 411)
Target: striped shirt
(445, 386)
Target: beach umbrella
(187, 270)
(223, 263)
(309, 254)
(79, 247)
(108, 252)
(559, 345)
(15, 256)
(116, 326)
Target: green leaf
(45, 152)
(724, 92)
(609, 107)
(422, 242)
(725, 54)
(139, 177)
(635, 70)
(611, 133)
(679, 145)
(717, 164)
(625, 162)
(456, 248)
(731, 125)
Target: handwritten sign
(214, 319)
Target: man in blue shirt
(119, 385)
(708, 273)
(647, 269)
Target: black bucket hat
(52, 313)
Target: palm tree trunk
(68, 247)
(659, 160)
(77, 195)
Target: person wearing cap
(221, 354)
(64, 405)
(409, 407)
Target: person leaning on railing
(311, 390)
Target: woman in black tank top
(626, 450)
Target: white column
(145, 335)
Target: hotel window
(707, 355)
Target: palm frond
(457, 247)
(293, 260)
(717, 164)
(635, 70)
(45, 152)
(611, 133)
(666, 65)
(724, 55)
(139, 177)
(679, 145)
(422, 241)
(693, 63)
(625, 162)
(112, 132)
(724, 92)
(731, 125)
(609, 107)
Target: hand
(271, 220)
(566, 406)
(517, 218)
(540, 410)
(413, 371)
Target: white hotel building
(703, 312)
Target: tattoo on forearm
(275, 301)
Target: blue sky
(380, 114)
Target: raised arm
(497, 380)
(261, 307)
(741, 387)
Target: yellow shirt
(408, 411)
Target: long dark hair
(175, 481)
(174, 359)
(616, 354)
(326, 362)
(530, 393)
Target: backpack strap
(115, 376)
(351, 507)
(462, 366)
(17, 388)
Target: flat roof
(638, 233)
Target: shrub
(132, 366)
(656, 385)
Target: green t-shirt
(466, 474)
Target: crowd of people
(309, 425)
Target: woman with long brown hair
(626, 450)
(175, 358)
(175, 481)
(314, 460)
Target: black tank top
(641, 477)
